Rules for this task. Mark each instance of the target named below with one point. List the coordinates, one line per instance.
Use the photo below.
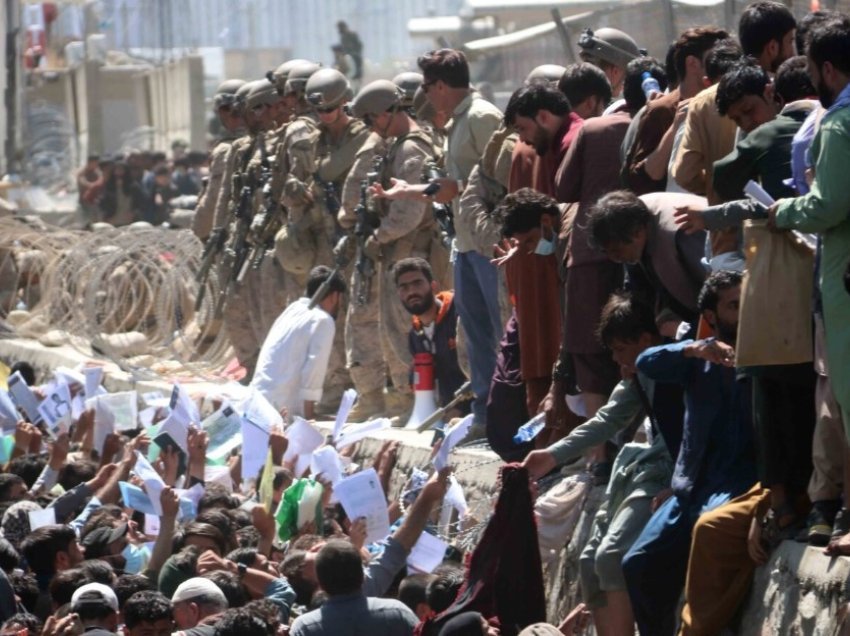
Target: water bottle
(530, 429)
(649, 84)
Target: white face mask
(136, 558)
(545, 247)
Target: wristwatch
(241, 569)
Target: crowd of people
(139, 185)
(642, 266)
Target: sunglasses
(324, 110)
(427, 85)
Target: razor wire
(104, 288)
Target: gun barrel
(461, 395)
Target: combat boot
(399, 406)
(368, 405)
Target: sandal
(772, 533)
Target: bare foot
(576, 621)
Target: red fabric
(547, 165)
(504, 577)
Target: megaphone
(424, 400)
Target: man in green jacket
(826, 210)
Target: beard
(727, 332)
(418, 305)
(825, 95)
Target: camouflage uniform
(365, 361)
(205, 210)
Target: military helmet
(422, 108)
(608, 45)
(298, 76)
(261, 92)
(408, 82)
(327, 88)
(377, 97)
(548, 72)
(279, 76)
(225, 94)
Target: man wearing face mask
(434, 330)
(531, 221)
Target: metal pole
(564, 34)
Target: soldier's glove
(372, 248)
(296, 193)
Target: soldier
(231, 121)
(406, 227)
(339, 139)
(295, 246)
(408, 82)
(252, 286)
(283, 114)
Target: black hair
(442, 590)
(147, 606)
(807, 23)
(26, 370)
(75, 473)
(243, 621)
(22, 619)
(207, 529)
(230, 586)
(745, 78)
(695, 42)
(625, 318)
(7, 481)
(26, 588)
(530, 99)
(583, 80)
(43, 544)
(217, 496)
(9, 557)
(248, 556)
(128, 585)
(162, 171)
(292, 568)
(95, 611)
(792, 81)
(763, 22)
(248, 537)
(64, 584)
(632, 89)
(447, 65)
(522, 210)
(412, 590)
(673, 79)
(319, 275)
(830, 42)
(28, 467)
(99, 571)
(339, 568)
(413, 264)
(723, 56)
(717, 282)
(616, 218)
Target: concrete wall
(177, 107)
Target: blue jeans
(477, 301)
(656, 565)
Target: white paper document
(325, 462)
(361, 495)
(303, 440)
(9, 416)
(41, 518)
(454, 436)
(92, 378)
(355, 432)
(136, 498)
(183, 407)
(345, 406)
(428, 553)
(55, 409)
(255, 448)
(224, 429)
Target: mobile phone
(23, 397)
(432, 189)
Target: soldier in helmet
(252, 292)
(295, 245)
(231, 120)
(339, 139)
(611, 50)
(406, 229)
(551, 73)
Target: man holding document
(293, 360)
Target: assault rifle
(236, 255)
(364, 268)
(329, 189)
(266, 224)
(214, 245)
(340, 262)
(442, 211)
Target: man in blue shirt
(716, 460)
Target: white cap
(196, 587)
(94, 593)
